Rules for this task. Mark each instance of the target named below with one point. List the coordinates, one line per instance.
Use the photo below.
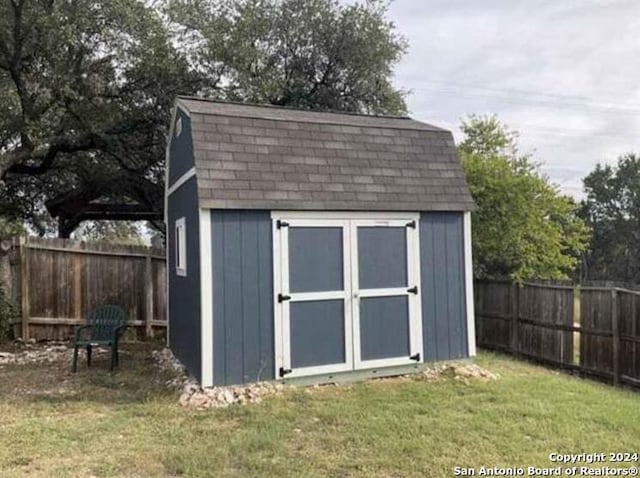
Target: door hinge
(411, 224)
(413, 290)
(280, 224)
(415, 357)
(284, 371)
(282, 298)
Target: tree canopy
(312, 54)
(115, 232)
(86, 87)
(612, 210)
(523, 227)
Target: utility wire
(524, 97)
(515, 91)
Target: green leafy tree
(114, 232)
(85, 92)
(523, 227)
(11, 228)
(86, 86)
(315, 54)
(612, 210)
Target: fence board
(61, 280)
(494, 306)
(629, 355)
(595, 313)
(542, 322)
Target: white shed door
(347, 294)
(385, 281)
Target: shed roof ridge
(410, 122)
(290, 108)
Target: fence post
(515, 316)
(6, 281)
(77, 286)
(634, 333)
(616, 336)
(148, 294)
(24, 288)
(478, 299)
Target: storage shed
(311, 246)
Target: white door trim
(349, 222)
(344, 215)
(413, 279)
(277, 308)
(468, 283)
(282, 329)
(390, 292)
(206, 297)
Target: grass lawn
(127, 424)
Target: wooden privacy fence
(56, 282)
(589, 329)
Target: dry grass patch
(130, 424)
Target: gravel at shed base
(194, 396)
(459, 371)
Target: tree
(10, 228)
(523, 227)
(612, 210)
(312, 54)
(115, 232)
(85, 93)
(86, 88)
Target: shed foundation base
(365, 374)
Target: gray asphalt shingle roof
(264, 157)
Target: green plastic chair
(104, 325)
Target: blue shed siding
(444, 321)
(243, 315)
(184, 292)
(181, 150)
(242, 255)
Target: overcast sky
(564, 73)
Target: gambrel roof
(266, 157)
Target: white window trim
(349, 221)
(180, 238)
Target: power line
(516, 91)
(569, 133)
(524, 97)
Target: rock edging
(192, 395)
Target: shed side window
(181, 247)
